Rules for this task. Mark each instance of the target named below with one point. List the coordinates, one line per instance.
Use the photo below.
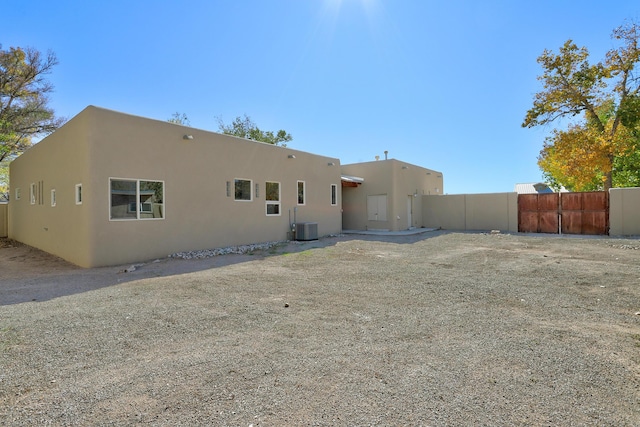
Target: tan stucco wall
(492, 211)
(624, 211)
(99, 144)
(59, 162)
(403, 183)
(447, 212)
(4, 219)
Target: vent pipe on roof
(385, 154)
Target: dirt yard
(437, 329)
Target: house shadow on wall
(31, 275)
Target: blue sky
(441, 84)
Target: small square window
(243, 189)
(78, 194)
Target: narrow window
(151, 199)
(272, 197)
(334, 194)
(17, 194)
(78, 194)
(32, 193)
(53, 197)
(243, 189)
(301, 192)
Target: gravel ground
(437, 329)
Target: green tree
(179, 119)
(24, 110)
(244, 127)
(607, 97)
(4, 178)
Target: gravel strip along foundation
(438, 329)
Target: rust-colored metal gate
(567, 213)
(538, 213)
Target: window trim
(268, 202)
(137, 201)
(334, 195)
(250, 199)
(78, 194)
(53, 198)
(304, 193)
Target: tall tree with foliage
(4, 180)
(585, 156)
(24, 90)
(244, 127)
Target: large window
(301, 193)
(243, 189)
(272, 197)
(334, 194)
(136, 199)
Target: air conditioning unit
(307, 231)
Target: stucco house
(109, 188)
(386, 194)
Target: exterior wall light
(188, 137)
(331, 164)
(291, 156)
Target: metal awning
(351, 181)
(349, 178)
